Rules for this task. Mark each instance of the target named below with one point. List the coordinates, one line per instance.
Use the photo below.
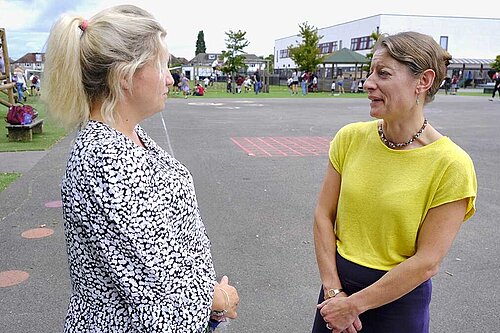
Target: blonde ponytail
(87, 61)
(63, 91)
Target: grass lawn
(218, 90)
(52, 132)
(7, 178)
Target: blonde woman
(139, 255)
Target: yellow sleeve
(458, 182)
(338, 148)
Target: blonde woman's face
(150, 88)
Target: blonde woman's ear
(124, 84)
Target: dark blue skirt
(409, 314)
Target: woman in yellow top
(395, 194)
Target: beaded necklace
(393, 145)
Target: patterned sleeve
(137, 239)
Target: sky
(27, 23)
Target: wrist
(218, 300)
(220, 303)
(356, 301)
(333, 292)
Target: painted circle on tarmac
(11, 278)
(37, 233)
(54, 204)
(205, 103)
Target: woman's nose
(169, 80)
(368, 84)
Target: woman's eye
(383, 73)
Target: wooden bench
(24, 132)
(487, 88)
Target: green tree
(233, 56)
(270, 60)
(375, 36)
(306, 53)
(200, 43)
(496, 64)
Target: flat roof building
(473, 42)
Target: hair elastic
(83, 26)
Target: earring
(417, 101)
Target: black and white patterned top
(139, 255)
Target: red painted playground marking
(37, 233)
(11, 278)
(54, 204)
(283, 146)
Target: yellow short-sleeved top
(385, 194)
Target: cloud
(263, 20)
(34, 15)
(29, 22)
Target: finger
(357, 324)
(237, 299)
(322, 304)
(224, 280)
(350, 329)
(232, 315)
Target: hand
(230, 297)
(340, 315)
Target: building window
(329, 47)
(211, 57)
(443, 41)
(361, 43)
(324, 48)
(284, 53)
(334, 46)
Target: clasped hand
(340, 315)
(226, 298)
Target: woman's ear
(124, 84)
(426, 80)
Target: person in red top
(496, 78)
(199, 90)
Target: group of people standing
(182, 84)
(245, 84)
(307, 81)
(21, 84)
(394, 195)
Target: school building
(473, 42)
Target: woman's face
(391, 87)
(150, 88)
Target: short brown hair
(418, 52)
